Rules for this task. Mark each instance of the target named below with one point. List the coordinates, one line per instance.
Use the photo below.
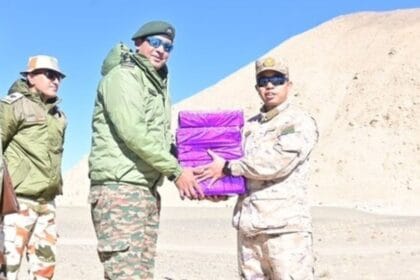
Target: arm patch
(11, 98)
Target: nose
(160, 48)
(269, 85)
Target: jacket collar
(21, 86)
(267, 116)
(157, 76)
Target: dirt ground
(199, 243)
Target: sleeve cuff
(174, 176)
(235, 168)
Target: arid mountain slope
(359, 76)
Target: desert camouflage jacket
(277, 147)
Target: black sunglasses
(276, 80)
(50, 74)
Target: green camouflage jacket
(131, 135)
(32, 134)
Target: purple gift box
(210, 119)
(218, 131)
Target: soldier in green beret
(130, 153)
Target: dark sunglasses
(50, 74)
(274, 80)
(157, 42)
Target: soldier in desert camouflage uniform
(32, 134)
(273, 219)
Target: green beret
(154, 28)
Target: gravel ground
(199, 243)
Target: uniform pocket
(267, 214)
(107, 217)
(20, 172)
(291, 142)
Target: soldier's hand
(212, 171)
(188, 186)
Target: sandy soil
(199, 243)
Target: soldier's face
(273, 88)
(47, 82)
(155, 50)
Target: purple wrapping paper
(209, 136)
(229, 185)
(219, 131)
(199, 153)
(210, 119)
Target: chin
(157, 64)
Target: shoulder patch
(11, 98)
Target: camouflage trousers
(34, 229)
(282, 256)
(126, 221)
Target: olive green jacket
(1, 167)
(131, 135)
(32, 134)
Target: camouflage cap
(270, 63)
(155, 28)
(42, 62)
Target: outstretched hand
(213, 170)
(188, 186)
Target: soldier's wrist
(236, 168)
(175, 175)
(227, 171)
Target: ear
(138, 41)
(30, 79)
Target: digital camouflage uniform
(32, 138)
(131, 141)
(126, 227)
(273, 219)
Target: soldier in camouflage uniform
(2, 259)
(32, 134)
(273, 219)
(130, 153)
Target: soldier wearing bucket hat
(43, 62)
(273, 219)
(130, 153)
(33, 128)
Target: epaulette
(12, 98)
